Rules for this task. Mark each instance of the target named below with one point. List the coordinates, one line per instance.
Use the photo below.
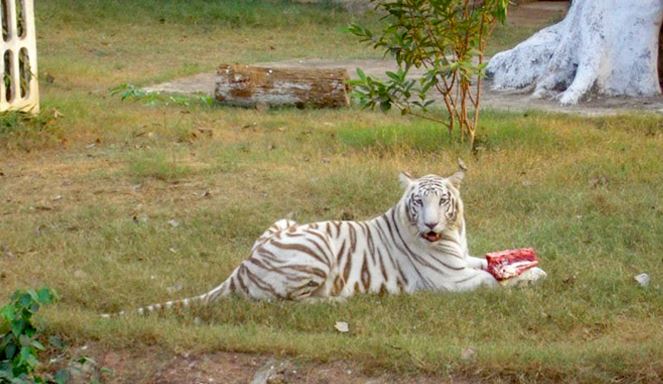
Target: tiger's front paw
(477, 263)
(528, 277)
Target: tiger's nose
(431, 225)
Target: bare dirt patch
(153, 365)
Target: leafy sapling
(19, 336)
(444, 38)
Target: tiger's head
(433, 204)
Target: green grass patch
(507, 36)
(423, 137)
(224, 13)
(158, 164)
(23, 131)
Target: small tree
(19, 344)
(447, 39)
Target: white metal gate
(19, 89)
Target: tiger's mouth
(432, 236)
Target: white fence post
(19, 89)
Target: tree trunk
(607, 46)
(247, 86)
(660, 58)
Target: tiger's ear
(406, 179)
(456, 179)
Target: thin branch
(421, 116)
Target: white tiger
(419, 244)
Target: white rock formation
(606, 46)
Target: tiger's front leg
(477, 263)
(472, 279)
(479, 276)
(530, 276)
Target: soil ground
(534, 14)
(153, 365)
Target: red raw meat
(511, 262)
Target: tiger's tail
(220, 291)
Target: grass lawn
(88, 189)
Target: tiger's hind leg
(267, 276)
(292, 263)
(278, 226)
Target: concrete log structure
(247, 86)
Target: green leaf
(106, 371)
(10, 351)
(25, 300)
(45, 296)
(393, 76)
(37, 345)
(7, 313)
(18, 326)
(122, 87)
(27, 358)
(361, 74)
(33, 295)
(359, 31)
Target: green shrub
(19, 344)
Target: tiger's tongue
(432, 236)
